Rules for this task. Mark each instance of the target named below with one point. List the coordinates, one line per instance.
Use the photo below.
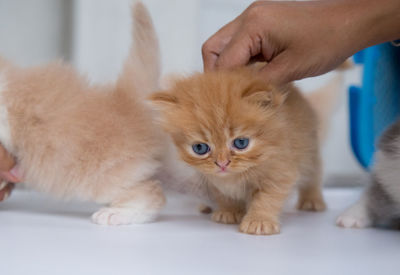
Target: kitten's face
(222, 123)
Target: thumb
(280, 71)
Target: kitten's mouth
(223, 172)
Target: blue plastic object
(376, 104)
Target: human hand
(8, 174)
(300, 39)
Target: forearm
(369, 22)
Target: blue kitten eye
(241, 143)
(201, 148)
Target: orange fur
(217, 107)
(96, 143)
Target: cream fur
(97, 143)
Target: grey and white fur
(380, 203)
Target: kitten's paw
(227, 217)
(354, 217)
(352, 221)
(311, 204)
(259, 227)
(121, 216)
(112, 216)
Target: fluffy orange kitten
(96, 143)
(250, 143)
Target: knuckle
(254, 10)
(261, 13)
(254, 5)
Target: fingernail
(7, 176)
(15, 173)
(3, 184)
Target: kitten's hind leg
(310, 193)
(139, 204)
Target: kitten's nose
(223, 164)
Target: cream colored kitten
(96, 143)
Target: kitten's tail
(142, 68)
(325, 99)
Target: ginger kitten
(96, 143)
(249, 142)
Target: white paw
(120, 216)
(112, 216)
(355, 217)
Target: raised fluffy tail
(142, 68)
(325, 99)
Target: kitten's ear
(270, 97)
(163, 101)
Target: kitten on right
(380, 203)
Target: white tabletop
(39, 235)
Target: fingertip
(9, 177)
(275, 73)
(15, 172)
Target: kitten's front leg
(229, 211)
(139, 204)
(262, 217)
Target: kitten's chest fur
(234, 187)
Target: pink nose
(223, 164)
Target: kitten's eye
(201, 148)
(241, 143)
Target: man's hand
(8, 174)
(301, 39)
